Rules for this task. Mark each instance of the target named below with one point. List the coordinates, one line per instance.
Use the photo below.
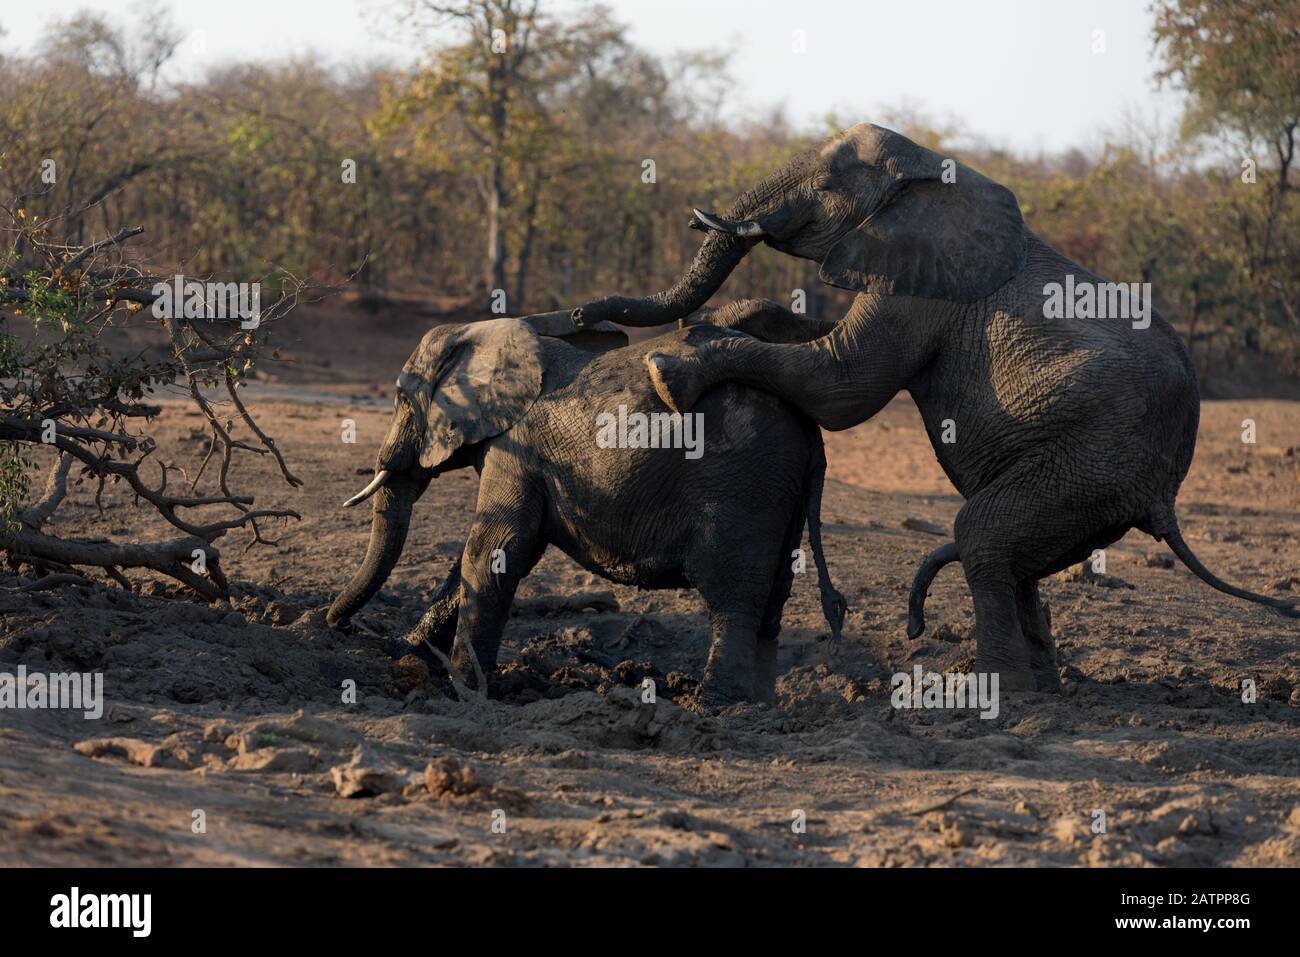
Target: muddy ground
(237, 710)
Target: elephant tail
(1164, 525)
(941, 556)
(834, 607)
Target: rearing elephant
(1061, 433)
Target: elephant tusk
(369, 490)
(747, 228)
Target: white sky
(1017, 73)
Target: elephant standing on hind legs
(1068, 431)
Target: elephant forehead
(501, 344)
(864, 142)
(880, 149)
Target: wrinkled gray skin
(1069, 432)
(618, 512)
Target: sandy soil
(237, 710)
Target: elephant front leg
(768, 321)
(837, 380)
(437, 628)
(503, 546)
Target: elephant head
(461, 386)
(877, 211)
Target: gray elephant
(528, 412)
(1061, 433)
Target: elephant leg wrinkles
(1000, 643)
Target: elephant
(1060, 433)
(525, 411)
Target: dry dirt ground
(237, 711)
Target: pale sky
(1016, 73)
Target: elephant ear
(957, 240)
(471, 382)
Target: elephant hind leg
(1036, 623)
(744, 582)
(729, 674)
(1000, 644)
(739, 601)
(1007, 534)
(769, 629)
(1018, 529)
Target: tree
(1239, 61)
(508, 97)
(489, 81)
(61, 388)
(81, 128)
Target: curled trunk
(721, 252)
(392, 518)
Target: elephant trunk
(392, 517)
(717, 257)
(728, 241)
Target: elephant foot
(1047, 681)
(1009, 678)
(411, 645)
(765, 673)
(717, 693)
(676, 379)
(400, 648)
(1047, 673)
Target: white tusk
(747, 228)
(369, 490)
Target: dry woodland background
(525, 171)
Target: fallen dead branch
(60, 388)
